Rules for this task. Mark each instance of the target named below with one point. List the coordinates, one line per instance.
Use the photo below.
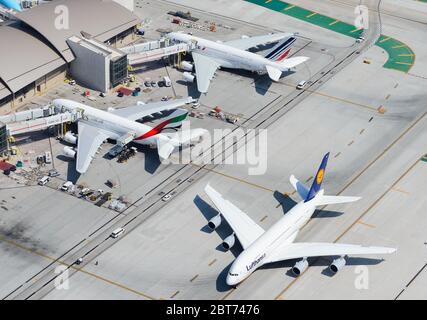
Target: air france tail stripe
(283, 56)
(288, 46)
(276, 52)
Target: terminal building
(40, 46)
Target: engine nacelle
(188, 77)
(70, 138)
(214, 222)
(244, 36)
(229, 242)
(337, 265)
(187, 66)
(69, 152)
(300, 267)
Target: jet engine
(188, 77)
(337, 264)
(300, 267)
(70, 137)
(187, 66)
(229, 242)
(215, 222)
(69, 152)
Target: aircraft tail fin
(176, 118)
(318, 179)
(281, 50)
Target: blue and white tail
(281, 50)
(315, 194)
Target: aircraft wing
(205, 70)
(142, 110)
(313, 249)
(89, 140)
(247, 43)
(245, 229)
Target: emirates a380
(96, 126)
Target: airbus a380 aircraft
(96, 126)
(276, 244)
(209, 55)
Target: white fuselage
(228, 56)
(258, 253)
(108, 121)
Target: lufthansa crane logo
(319, 177)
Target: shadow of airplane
(223, 231)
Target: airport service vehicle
(301, 84)
(48, 157)
(116, 233)
(276, 244)
(43, 181)
(167, 81)
(96, 126)
(11, 4)
(115, 151)
(67, 186)
(53, 173)
(209, 56)
(167, 197)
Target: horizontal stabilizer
(292, 62)
(299, 187)
(164, 148)
(322, 200)
(273, 73)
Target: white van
(67, 186)
(116, 233)
(48, 157)
(301, 85)
(44, 180)
(167, 81)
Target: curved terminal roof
(34, 47)
(103, 19)
(25, 58)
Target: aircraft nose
(232, 281)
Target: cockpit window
(233, 274)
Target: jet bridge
(37, 119)
(153, 50)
